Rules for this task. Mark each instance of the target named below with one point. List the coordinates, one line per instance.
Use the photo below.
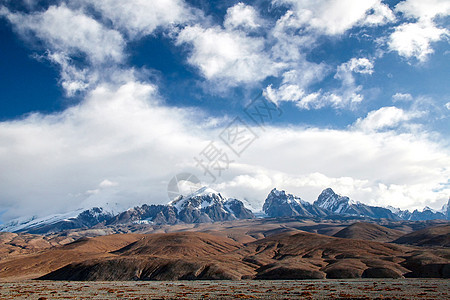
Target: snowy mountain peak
(204, 191)
(328, 199)
(201, 198)
(56, 222)
(430, 209)
(281, 196)
(276, 192)
(279, 203)
(394, 210)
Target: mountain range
(207, 206)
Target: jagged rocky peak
(201, 198)
(208, 205)
(280, 204)
(281, 196)
(328, 199)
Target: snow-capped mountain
(146, 214)
(402, 214)
(426, 214)
(58, 222)
(204, 205)
(208, 205)
(338, 204)
(280, 204)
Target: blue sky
(107, 101)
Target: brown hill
(259, 249)
(164, 256)
(313, 256)
(369, 232)
(289, 255)
(180, 244)
(431, 236)
(33, 265)
(12, 244)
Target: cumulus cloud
(72, 79)
(335, 17)
(355, 65)
(121, 145)
(310, 160)
(72, 32)
(424, 9)
(384, 118)
(294, 85)
(227, 55)
(242, 15)
(380, 14)
(414, 39)
(119, 133)
(402, 97)
(138, 18)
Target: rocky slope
(208, 206)
(239, 249)
(203, 206)
(280, 204)
(290, 255)
(432, 236)
(369, 232)
(338, 204)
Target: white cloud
(385, 117)
(288, 41)
(107, 183)
(227, 55)
(295, 83)
(334, 17)
(141, 17)
(424, 9)
(121, 144)
(414, 39)
(71, 32)
(287, 92)
(72, 79)
(309, 160)
(402, 97)
(51, 161)
(55, 162)
(447, 105)
(355, 65)
(242, 15)
(381, 14)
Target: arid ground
(251, 289)
(269, 259)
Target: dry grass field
(251, 289)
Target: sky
(104, 102)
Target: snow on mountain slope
(56, 222)
(280, 204)
(200, 199)
(338, 204)
(21, 224)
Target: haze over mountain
(207, 205)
